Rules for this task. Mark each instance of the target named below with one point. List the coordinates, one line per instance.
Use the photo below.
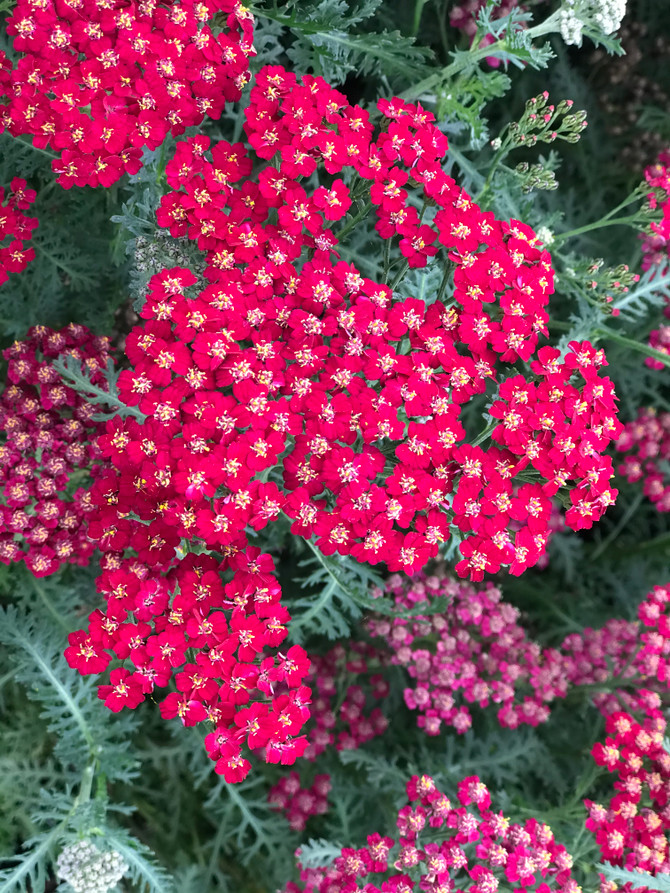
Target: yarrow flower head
(285, 381)
(471, 847)
(646, 440)
(343, 685)
(88, 869)
(378, 464)
(656, 246)
(98, 82)
(48, 444)
(15, 228)
(632, 831)
(477, 652)
(299, 803)
(575, 15)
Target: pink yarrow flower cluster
(656, 244)
(632, 831)
(313, 355)
(476, 652)
(631, 658)
(48, 450)
(442, 846)
(646, 439)
(299, 803)
(15, 228)
(97, 82)
(338, 712)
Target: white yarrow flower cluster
(545, 235)
(606, 15)
(609, 14)
(88, 870)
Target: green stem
(41, 592)
(443, 283)
(27, 142)
(485, 433)
(365, 210)
(86, 785)
(609, 539)
(599, 224)
(401, 274)
(418, 10)
(497, 159)
(633, 345)
(657, 543)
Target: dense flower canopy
(99, 81)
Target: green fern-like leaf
(145, 872)
(657, 882)
(318, 853)
(81, 726)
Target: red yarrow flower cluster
(646, 439)
(358, 391)
(179, 620)
(338, 712)
(471, 847)
(15, 228)
(97, 82)
(48, 450)
(299, 803)
(632, 831)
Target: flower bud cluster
(442, 846)
(98, 82)
(535, 176)
(338, 717)
(476, 652)
(48, 450)
(298, 803)
(15, 228)
(89, 870)
(632, 831)
(646, 439)
(545, 123)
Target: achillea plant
(646, 439)
(48, 451)
(97, 83)
(284, 381)
(440, 845)
(15, 228)
(477, 652)
(632, 830)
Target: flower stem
(634, 345)
(365, 210)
